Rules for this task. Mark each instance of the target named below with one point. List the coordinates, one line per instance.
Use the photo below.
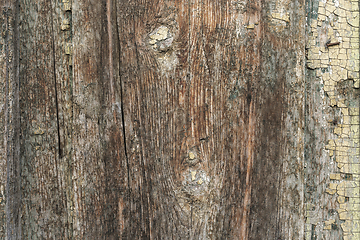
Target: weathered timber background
(216, 79)
(194, 119)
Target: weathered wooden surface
(43, 196)
(3, 74)
(167, 120)
(196, 79)
(332, 155)
(98, 156)
(10, 122)
(70, 172)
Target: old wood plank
(282, 108)
(3, 97)
(11, 119)
(43, 198)
(174, 122)
(203, 100)
(62, 47)
(98, 153)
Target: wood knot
(161, 39)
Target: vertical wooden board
(224, 70)
(3, 102)
(155, 119)
(206, 102)
(209, 93)
(12, 119)
(62, 32)
(98, 158)
(279, 156)
(43, 199)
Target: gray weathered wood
(10, 122)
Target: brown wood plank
(168, 120)
(62, 31)
(207, 86)
(98, 156)
(42, 196)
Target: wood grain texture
(225, 95)
(3, 98)
(63, 81)
(43, 197)
(10, 120)
(98, 156)
(319, 206)
(169, 120)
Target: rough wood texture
(196, 80)
(98, 157)
(332, 147)
(3, 139)
(43, 197)
(10, 122)
(167, 120)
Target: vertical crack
(124, 129)
(123, 114)
(56, 90)
(112, 73)
(122, 105)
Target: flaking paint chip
(330, 221)
(65, 27)
(330, 191)
(67, 5)
(335, 176)
(327, 227)
(161, 39)
(193, 175)
(341, 199)
(250, 26)
(65, 21)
